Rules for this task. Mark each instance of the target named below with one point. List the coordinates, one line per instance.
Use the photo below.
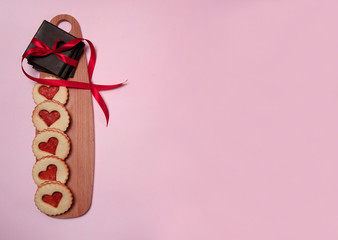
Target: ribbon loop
(41, 49)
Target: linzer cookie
(45, 92)
(50, 168)
(53, 198)
(50, 114)
(51, 142)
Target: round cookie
(53, 198)
(43, 92)
(50, 114)
(51, 142)
(50, 168)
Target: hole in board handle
(65, 25)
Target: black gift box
(48, 34)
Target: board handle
(75, 26)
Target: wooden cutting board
(80, 132)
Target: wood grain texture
(80, 132)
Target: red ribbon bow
(42, 49)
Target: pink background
(227, 129)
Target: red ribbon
(42, 49)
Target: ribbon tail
(108, 87)
(100, 101)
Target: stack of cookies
(51, 147)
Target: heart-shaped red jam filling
(53, 199)
(49, 174)
(49, 146)
(49, 117)
(48, 92)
